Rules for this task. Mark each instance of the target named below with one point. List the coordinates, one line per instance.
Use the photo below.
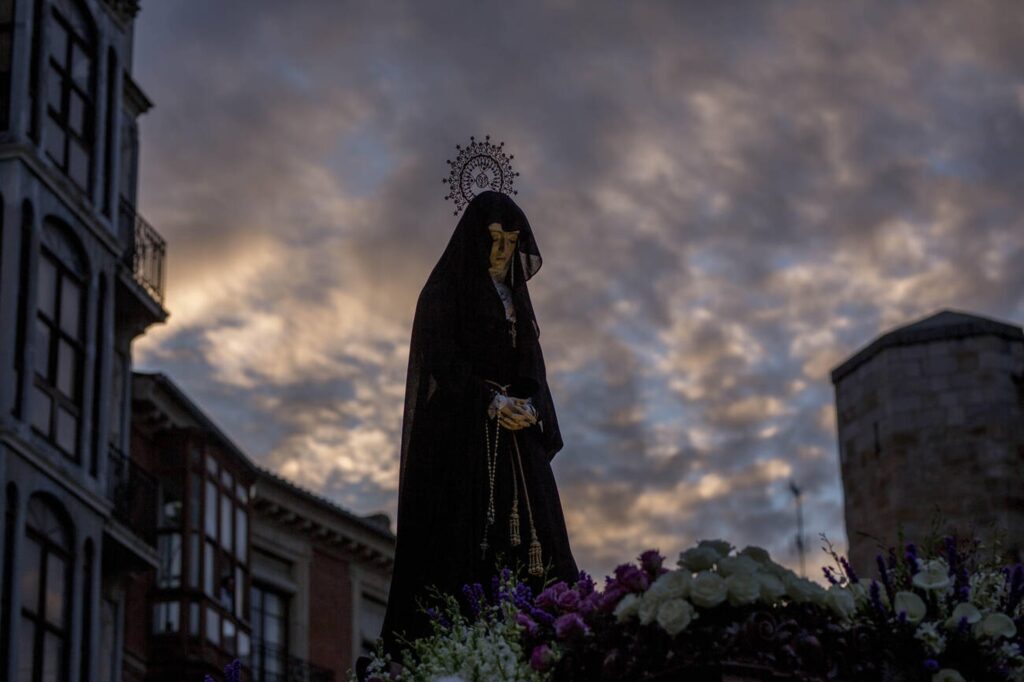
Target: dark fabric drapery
(460, 342)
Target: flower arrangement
(935, 617)
(944, 615)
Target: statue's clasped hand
(513, 413)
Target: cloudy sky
(731, 198)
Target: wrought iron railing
(271, 663)
(134, 494)
(145, 251)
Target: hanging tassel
(513, 525)
(536, 568)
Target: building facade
(137, 543)
(81, 276)
(931, 422)
(249, 566)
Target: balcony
(145, 251)
(271, 663)
(134, 494)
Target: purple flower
(650, 561)
(542, 616)
(233, 671)
(632, 578)
(542, 658)
(527, 623)
(911, 557)
(931, 665)
(611, 597)
(474, 595)
(569, 625)
(568, 600)
(827, 570)
(590, 604)
(850, 574)
(875, 595)
(585, 584)
(549, 597)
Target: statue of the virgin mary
(476, 490)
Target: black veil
(457, 294)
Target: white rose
(627, 607)
(737, 564)
(758, 554)
(674, 615)
(798, 589)
(948, 675)
(933, 575)
(672, 584)
(911, 604)
(858, 592)
(648, 609)
(743, 588)
(708, 590)
(772, 588)
(840, 601)
(819, 595)
(698, 558)
(995, 625)
(720, 546)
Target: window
(226, 521)
(193, 559)
(44, 582)
(166, 617)
(212, 625)
(60, 341)
(6, 32)
(208, 557)
(70, 83)
(211, 509)
(371, 621)
(24, 267)
(269, 634)
(241, 533)
(171, 502)
(169, 551)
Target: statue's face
(503, 245)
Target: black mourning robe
(461, 339)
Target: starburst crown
(479, 167)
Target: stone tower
(931, 417)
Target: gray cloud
(730, 199)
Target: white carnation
(698, 558)
(721, 546)
(672, 584)
(708, 590)
(743, 588)
(648, 609)
(841, 602)
(772, 587)
(758, 554)
(737, 564)
(948, 675)
(627, 607)
(674, 615)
